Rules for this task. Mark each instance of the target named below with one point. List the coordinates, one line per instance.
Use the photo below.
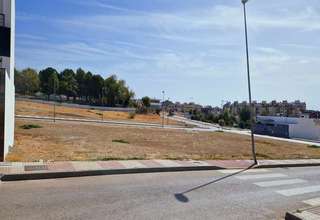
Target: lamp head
(244, 1)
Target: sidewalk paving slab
(44, 170)
(311, 213)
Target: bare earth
(63, 141)
(38, 109)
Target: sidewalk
(312, 212)
(45, 170)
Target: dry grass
(81, 141)
(39, 109)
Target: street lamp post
(249, 83)
(163, 93)
(54, 101)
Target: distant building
(187, 107)
(274, 108)
(311, 114)
(288, 127)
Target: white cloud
(202, 42)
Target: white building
(297, 128)
(7, 90)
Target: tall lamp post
(163, 93)
(54, 101)
(249, 83)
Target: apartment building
(7, 91)
(274, 108)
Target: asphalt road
(258, 194)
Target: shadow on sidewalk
(181, 197)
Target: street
(224, 194)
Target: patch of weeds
(220, 131)
(264, 156)
(98, 113)
(119, 158)
(120, 141)
(30, 126)
(314, 146)
(132, 115)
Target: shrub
(30, 126)
(314, 146)
(221, 122)
(132, 115)
(120, 141)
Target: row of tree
(225, 118)
(81, 86)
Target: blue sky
(192, 49)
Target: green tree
(88, 86)
(68, 83)
(111, 90)
(82, 84)
(18, 81)
(49, 81)
(27, 81)
(97, 83)
(146, 101)
(245, 116)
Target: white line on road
(261, 176)
(299, 191)
(280, 182)
(313, 202)
(244, 171)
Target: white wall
(300, 128)
(305, 129)
(9, 64)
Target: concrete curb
(291, 216)
(67, 174)
(99, 172)
(287, 165)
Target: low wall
(305, 129)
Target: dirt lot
(81, 141)
(39, 109)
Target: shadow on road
(181, 197)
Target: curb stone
(55, 175)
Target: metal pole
(163, 109)
(54, 101)
(249, 85)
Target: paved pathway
(69, 166)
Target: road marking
(313, 202)
(242, 171)
(299, 191)
(279, 182)
(261, 176)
